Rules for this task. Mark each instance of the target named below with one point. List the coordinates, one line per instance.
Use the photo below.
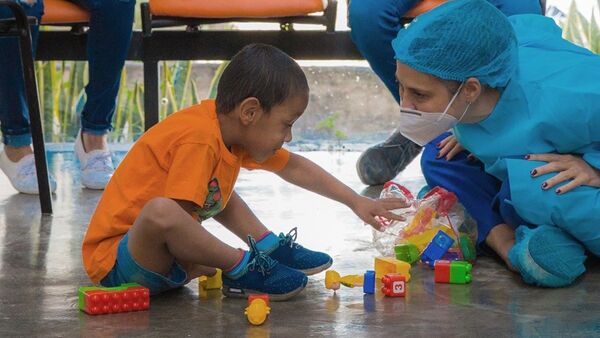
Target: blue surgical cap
(458, 40)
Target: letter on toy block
(394, 285)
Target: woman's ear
(250, 111)
(472, 89)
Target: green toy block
(407, 253)
(467, 248)
(460, 272)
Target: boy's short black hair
(261, 71)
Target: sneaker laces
(290, 239)
(261, 262)
(101, 162)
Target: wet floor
(40, 271)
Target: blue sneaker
(547, 256)
(265, 275)
(293, 255)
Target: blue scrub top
(552, 105)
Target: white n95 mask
(422, 127)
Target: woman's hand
(449, 147)
(568, 168)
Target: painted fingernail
(438, 145)
(437, 156)
(558, 191)
(527, 157)
(533, 172)
(544, 185)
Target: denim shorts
(127, 270)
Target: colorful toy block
(214, 282)
(421, 240)
(453, 254)
(456, 272)
(447, 199)
(369, 282)
(258, 308)
(332, 280)
(352, 280)
(385, 265)
(407, 253)
(124, 298)
(420, 221)
(467, 247)
(394, 285)
(438, 247)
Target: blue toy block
(437, 248)
(369, 282)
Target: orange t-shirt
(183, 158)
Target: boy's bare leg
(164, 231)
(239, 219)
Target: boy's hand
(370, 209)
(568, 168)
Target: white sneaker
(22, 174)
(96, 166)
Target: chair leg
(151, 93)
(37, 132)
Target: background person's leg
(14, 114)
(108, 42)
(109, 36)
(17, 160)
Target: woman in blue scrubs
(526, 103)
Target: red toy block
(262, 296)
(447, 199)
(124, 298)
(442, 271)
(394, 285)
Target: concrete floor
(40, 271)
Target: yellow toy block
(420, 222)
(206, 283)
(421, 240)
(385, 265)
(352, 280)
(332, 280)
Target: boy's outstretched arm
(306, 174)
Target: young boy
(182, 171)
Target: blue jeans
(107, 44)
(375, 23)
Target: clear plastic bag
(438, 210)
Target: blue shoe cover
(547, 256)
